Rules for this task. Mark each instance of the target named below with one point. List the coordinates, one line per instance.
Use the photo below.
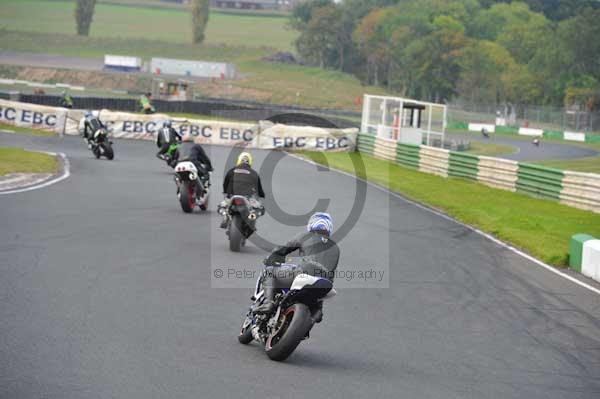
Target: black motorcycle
(241, 213)
(297, 310)
(101, 146)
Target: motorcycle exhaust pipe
(252, 216)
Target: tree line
(84, 13)
(488, 51)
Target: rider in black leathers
(320, 257)
(202, 162)
(91, 125)
(241, 180)
(167, 136)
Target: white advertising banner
(276, 136)
(574, 136)
(33, 116)
(528, 131)
(263, 134)
(478, 127)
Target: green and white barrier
(498, 173)
(579, 190)
(584, 255)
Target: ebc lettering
(8, 113)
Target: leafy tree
(84, 11)
(581, 38)
(372, 43)
(484, 64)
(200, 13)
(322, 40)
(436, 58)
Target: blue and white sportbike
(297, 309)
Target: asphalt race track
(105, 292)
(526, 151)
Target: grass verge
(589, 164)
(25, 130)
(490, 149)
(540, 227)
(17, 160)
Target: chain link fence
(541, 117)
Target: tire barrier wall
(579, 190)
(539, 181)
(584, 255)
(498, 173)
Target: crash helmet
(244, 158)
(320, 222)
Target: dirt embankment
(88, 79)
(130, 82)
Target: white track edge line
(66, 173)
(474, 229)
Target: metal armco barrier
(579, 190)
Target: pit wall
(579, 190)
(524, 131)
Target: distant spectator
(66, 101)
(146, 104)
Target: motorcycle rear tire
(187, 197)
(235, 233)
(289, 339)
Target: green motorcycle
(172, 155)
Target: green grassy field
(589, 164)
(48, 27)
(490, 149)
(542, 228)
(260, 80)
(17, 160)
(164, 24)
